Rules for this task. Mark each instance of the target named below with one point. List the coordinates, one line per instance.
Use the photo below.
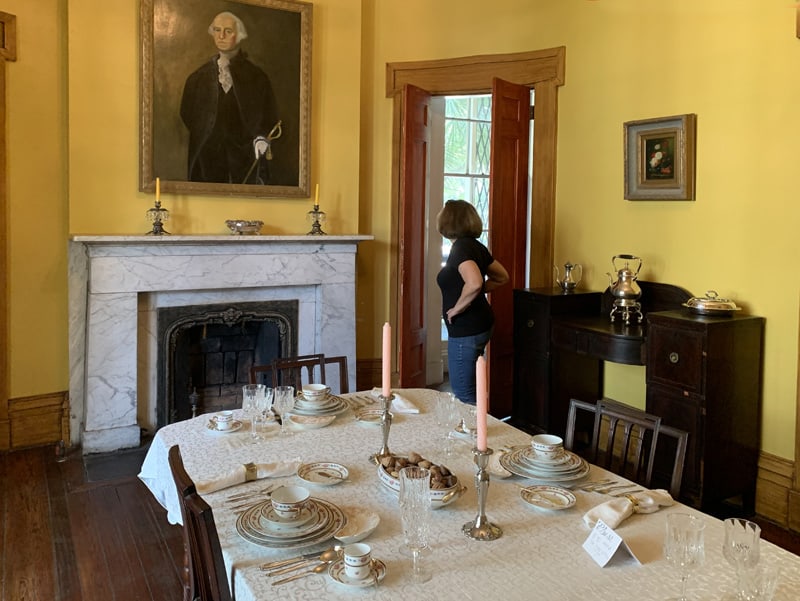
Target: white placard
(604, 545)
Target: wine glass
(741, 549)
(684, 548)
(263, 406)
(250, 396)
(282, 404)
(415, 512)
(447, 415)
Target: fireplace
(118, 285)
(206, 352)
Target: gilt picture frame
(660, 158)
(182, 105)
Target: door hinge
(531, 112)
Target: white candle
(316, 197)
(386, 356)
(481, 390)
(158, 189)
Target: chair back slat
(205, 578)
(625, 440)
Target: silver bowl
(243, 226)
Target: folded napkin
(400, 404)
(615, 511)
(247, 472)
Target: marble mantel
(117, 284)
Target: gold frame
(169, 30)
(671, 175)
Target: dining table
(540, 553)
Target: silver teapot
(570, 281)
(625, 288)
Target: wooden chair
(626, 440)
(344, 384)
(290, 371)
(205, 578)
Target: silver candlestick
(386, 424)
(481, 528)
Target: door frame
(542, 70)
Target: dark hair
(459, 219)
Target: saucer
(270, 515)
(212, 426)
(547, 497)
(370, 417)
(323, 474)
(336, 571)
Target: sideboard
(703, 375)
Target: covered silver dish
(711, 304)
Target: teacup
(288, 501)
(224, 420)
(547, 446)
(315, 392)
(357, 561)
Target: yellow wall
(37, 212)
(732, 62)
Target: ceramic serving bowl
(440, 497)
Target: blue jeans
(462, 353)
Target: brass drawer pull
(674, 357)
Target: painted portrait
(226, 97)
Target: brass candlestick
(481, 528)
(158, 216)
(386, 424)
(316, 218)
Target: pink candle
(386, 388)
(481, 391)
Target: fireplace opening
(206, 351)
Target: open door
(508, 202)
(414, 149)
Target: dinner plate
(278, 522)
(329, 520)
(275, 532)
(336, 407)
(212, 426)
(360, 524)
(547, 497)
(323, 474)
(513, 463)
(311, 422)
(336, 571)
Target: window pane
(480, 198)
(456, 107)
(456, 187)
(482, 108)
(456, 146)
(480, 158)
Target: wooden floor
(63, 538)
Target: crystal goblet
(415, 512)
(684, 546)
(741, 549)
(282, 404)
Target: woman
(469, 273)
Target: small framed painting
(660, 158)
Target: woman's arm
(473, 285)
(496, 276)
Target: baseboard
(774, 491)
(36, 421)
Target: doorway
(543, 71)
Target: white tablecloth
(539, 555)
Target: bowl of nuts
(445, 487)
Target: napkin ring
(250, 472)
(634, 501)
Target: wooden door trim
(541, 69)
